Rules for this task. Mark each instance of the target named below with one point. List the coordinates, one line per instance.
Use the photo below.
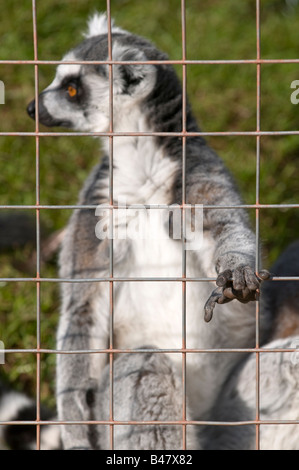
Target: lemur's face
(78, 97)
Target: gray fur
(279, 400)
(145, 387)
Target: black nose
(44, 117)
(31, 109)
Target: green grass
(223, 99)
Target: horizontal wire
(150, 350)
(150, 423)
(129, 279)
(147, 206)
(255, 133)
(151, 62)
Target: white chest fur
(150, 312)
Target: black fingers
(241, 283)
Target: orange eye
(71, 91)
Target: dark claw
(264, 275)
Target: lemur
(147, 315)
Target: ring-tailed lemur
(147, 170)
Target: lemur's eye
(72, 91)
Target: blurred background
(223, 99)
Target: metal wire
(151, 350)
(111, 199)
(183, 279)
(151, 62)
(183, 225)
(127, 279)
(257, 218)
(152, 206)
(38, 240)
(147, 423)
(151, 134)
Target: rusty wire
(183, 279)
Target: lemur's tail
(15, 406)
(282, 297)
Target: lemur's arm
(235, 244)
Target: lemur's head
(78, 97)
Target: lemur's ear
(135, 78)
(98, 24)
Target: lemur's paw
(241, 283)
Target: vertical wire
(111, 285)
(37, 172)
(184, 120)
(257, 227)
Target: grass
(223, 99)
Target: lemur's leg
(81, 328)
(146, 387)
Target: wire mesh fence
(184, 279)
